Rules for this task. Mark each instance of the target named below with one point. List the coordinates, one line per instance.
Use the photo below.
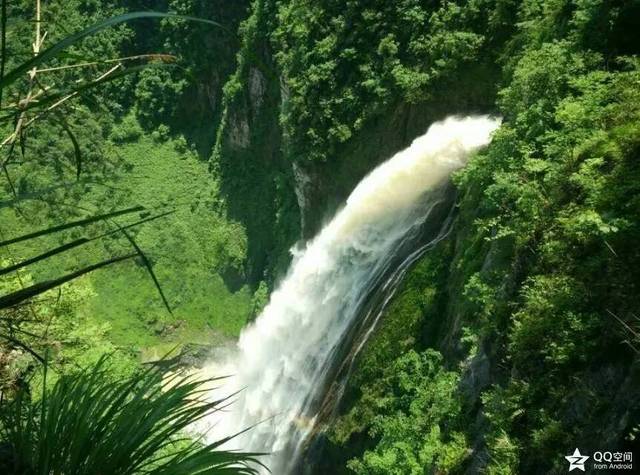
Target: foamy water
(281, 359)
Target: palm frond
(88, 423)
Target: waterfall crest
(284, 359)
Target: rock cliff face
(253, 153)
(257, 181)
(328, 183)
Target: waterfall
(285, 360)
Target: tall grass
(89, 424)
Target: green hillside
(512, 342)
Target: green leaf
(138, 422)
(81, 222)
(73, 244)
(76, 146)
(54, 50)
(148, 266)
(21, 295)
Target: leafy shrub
(128, 130)
(157, 94)
(413, 407)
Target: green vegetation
(410, 407)
(535, 306)
(191, 249)
(561, 197)
(511, 343)
(91, 182)
(345, 63)
(58, 433)
(123, 157)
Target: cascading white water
(281, 359)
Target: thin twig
(11, 138)
(163, 57)
(36, 46)
(631, 330)
(3, 42)
(23, 346)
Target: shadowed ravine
(293, 360)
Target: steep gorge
(507, 297)
(254, 141)
(496, 337)
(334, 293)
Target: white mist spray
(281, 357)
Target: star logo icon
(576, 460)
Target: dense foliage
(345, 61)
(509, 344)
(516, 339)
(560, 198)
(89, 178)
(122, 155)
(544, 280)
